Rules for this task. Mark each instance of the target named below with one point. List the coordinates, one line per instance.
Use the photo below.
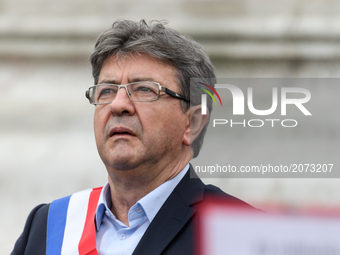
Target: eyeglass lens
(139, 91)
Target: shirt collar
(151, 203)
(103, 204)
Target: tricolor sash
(70, 225)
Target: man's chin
(124, 166)
(124, 162)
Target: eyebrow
(112, 81)
(108, 81)
(143, 79)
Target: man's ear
(195, 124)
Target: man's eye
(106, 91)
(143, 89)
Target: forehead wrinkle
(119, 60)
(110, 71)
(107, 81)
(126, 76)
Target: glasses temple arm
(174, 94)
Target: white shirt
(113, 236)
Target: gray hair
(168, 45)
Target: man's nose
(122, 103)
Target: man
(146, 133)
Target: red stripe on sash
(87, 244)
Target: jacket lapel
(173, 215)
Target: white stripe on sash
(76, 215)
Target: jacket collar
(177, 210)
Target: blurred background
(47, 147)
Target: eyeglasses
(142, 91)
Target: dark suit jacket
(171, 232)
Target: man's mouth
(121, 131)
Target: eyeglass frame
(161, 88)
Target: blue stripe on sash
(56, 225)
